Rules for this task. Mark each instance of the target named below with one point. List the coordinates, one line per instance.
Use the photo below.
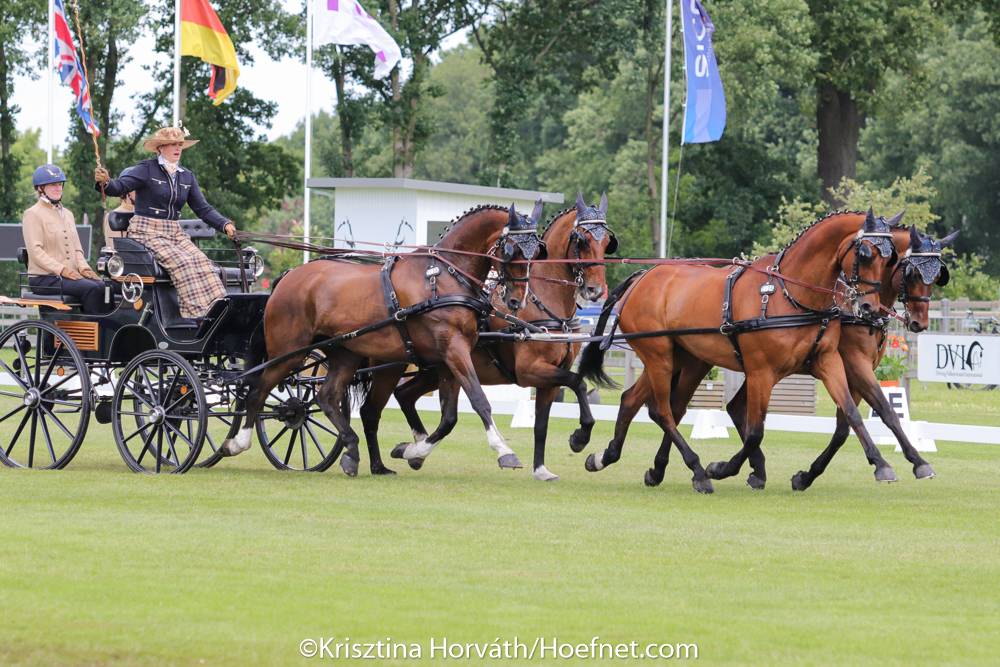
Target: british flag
(70, 70)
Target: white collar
(163, 161)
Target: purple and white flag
(347, 22)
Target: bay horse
(578, 233)
(802, 329)
(421, 307)
(861, 346)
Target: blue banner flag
(705, 109)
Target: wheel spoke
(145, 443)
(31, 441)
(314, 439)
(13, 412)
(302, 446)
(17, 433)
(38, 356)
(274, 441)
(48, 439)
(137, 431)
(10, 371)
(62, 381)
(137, 394)
(18, 340)
(291, 445)
(173, 428)
(58, 422)
(159, 448)
(48, 371)
(173, 452)
(323, 426)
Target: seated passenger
(56, 262)
(162, 187)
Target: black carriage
(166, 384)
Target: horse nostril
(916, 327)
(867, 307)
(513, 304)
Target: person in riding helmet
(56, 261)
(161, 188)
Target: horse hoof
(652, 477)
(885, 474)
(509, 461)
(382, 470)
(924, 471)
(349, 465)
(579, 440)
(715, 469)
(703, 485)
(397, 451)
(416, 464)
(800, 481)
(543, 474)
(755, 482)
(591, 464)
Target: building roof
(433, 186)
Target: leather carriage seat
(43, 293)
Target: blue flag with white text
(705, 109)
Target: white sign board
(973, 359)
(896, 396)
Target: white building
(412, 212)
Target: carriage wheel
(44, 396)
(159, 413)
(292, 429)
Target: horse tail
(592, 360)
(361, 386)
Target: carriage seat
(43, 293)
(138, 259)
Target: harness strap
(392, 305)
(824, 323)
(728, 327)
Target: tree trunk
(838, 121)
(344, 118)
(8, 163)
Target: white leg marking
(418, 435)
(419, 450)
(599, 460)
(239, 444)
(543, 474)
(496, 441)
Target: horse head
(518, 244)
(590, 240)
(920, 269)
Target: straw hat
(168, 135)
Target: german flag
(203, 36)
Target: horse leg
(330, 397)
(758, 395)
(872, 392)
(829, 368)
(683, 384)
(261, 388)
(580, 438)
(803, 479)
(407, 395)
(737, 409)
(416, 452)
(632, 400)
(371, 414)
(544, 397)
(661, 382)
(457, 355)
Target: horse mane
(551, 221)
(820, 220)
(466, 213)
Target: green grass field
(236, 565)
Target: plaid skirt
(194, 275)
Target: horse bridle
(597, 229)
(904, 294)
(875, 238)
(525, 240)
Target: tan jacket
(51, 239)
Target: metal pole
(666, 126)
(307, 169)
(177, 62)
(51, 80)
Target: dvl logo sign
(959, 358)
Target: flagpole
(177, 62)
(666, 127)
(307, 168)
(51, 81)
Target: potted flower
(889, 370)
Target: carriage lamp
(254, 262)
(115, 266)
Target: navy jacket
(157, 196)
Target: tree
(20, 17)
(857, 44)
